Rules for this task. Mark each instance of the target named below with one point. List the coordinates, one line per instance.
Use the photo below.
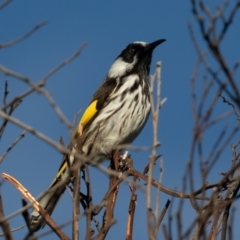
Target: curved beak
(151, 46)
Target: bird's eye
(132, 50)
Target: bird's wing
(99, 100)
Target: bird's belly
(118, 123)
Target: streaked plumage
(116, 115)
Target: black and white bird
(115, 116)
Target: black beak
(150, 47)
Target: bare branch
(131, 211)
(108, 218)
(229, 103)
(32, 130)
(12, 145)
(37, 206)
(38, 87)
(28, 34)
(222, 85)
(4, 4)
(213, 45)
(164, 210)
(228, 22)
(3, 223)
(155, 109)
(76, 209)
(64, 63)
(13, 106)
(6, 92)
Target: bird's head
(135, 56)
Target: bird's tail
(51, 196)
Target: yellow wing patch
(62, 169)
(87, 116)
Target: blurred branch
(214, 74)
(38, 87)
(5, 122)
(14, 230)
(213, 41)
(5, 93)
(28, 34)
(131, 210)
(88, 206)
(64, 63)
(155, 110)
(4, 4)
(3, 223)
(165, 233)
(226, 143)
(158, 219)
(230, 225)
(76, 209)
(13, 106)
(161, 216)
(229, 21)
(132, 171)
(38, 134)
(108, 217)
(37, 206)
(230, 104)
(12, 145)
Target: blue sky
(107, 27)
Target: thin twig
(164, 210)
(34, 29)
(5, 93)
(131, 211)
(4, 4)
(222, 84)
(157, 199)
(76, 209)
(64, 63)
(89, 205)
(36, 133)
(108, 218)
(230, 104)
(38, 87)
(22, 135)
(36, 205)
(14, 105)
(14, 230)
(155, 108)
(214, 48)
(3, 223)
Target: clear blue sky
(107, 27)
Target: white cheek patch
(119, 68)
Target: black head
(135, 55)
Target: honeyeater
(115, 116)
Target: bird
(115, 116)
